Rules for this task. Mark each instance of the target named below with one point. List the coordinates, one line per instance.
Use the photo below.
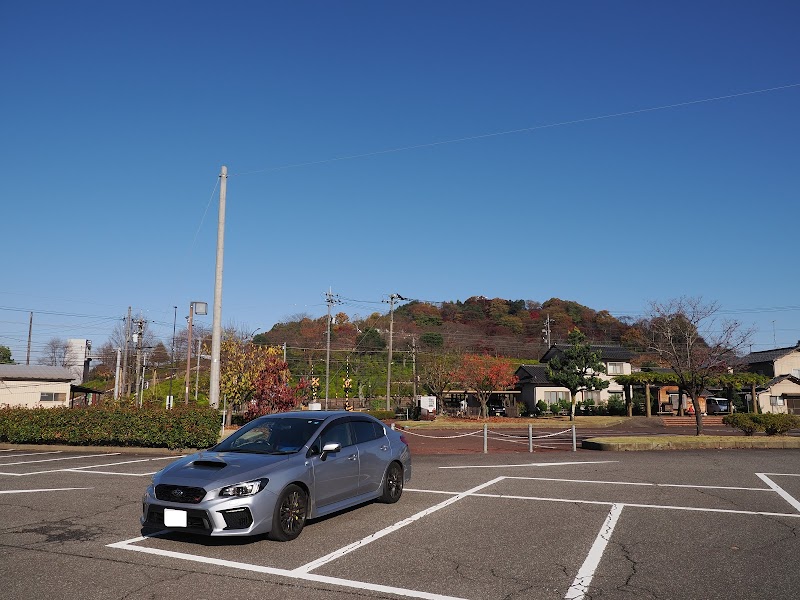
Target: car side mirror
(328, 448)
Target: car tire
(392, 484)
(290, 514)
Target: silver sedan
(278, 471)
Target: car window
(366, 431)
(338, 433)
(254, 437)
(270, 436)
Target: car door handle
(352, 457)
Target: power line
(520, 130)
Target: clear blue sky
(118, 116)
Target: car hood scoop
(210, 464)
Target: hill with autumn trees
(511, 328)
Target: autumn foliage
(256, 379)
(485, 374)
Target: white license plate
(174, 518)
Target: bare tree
(688, 338)
(54, 353)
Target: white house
(782, 393)
(42, 387)
(535, 386)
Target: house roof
(780, 378)
(35, 373)
(535, 374)
(768, 356)
(608, 352)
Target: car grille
(179, 493)
(195, 519)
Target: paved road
(712, 524)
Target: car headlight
(249, 488)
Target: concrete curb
(692, 443)
(100, 449)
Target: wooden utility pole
(30, 332)
(389, 364)
(392, 298)
(414, 369)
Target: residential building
(41, 387)
(535, 386)
(782, 393)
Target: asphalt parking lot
(711, 524)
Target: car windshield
(271, 436)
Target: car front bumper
(242, 516)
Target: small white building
(35, 386)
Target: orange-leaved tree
(484, 374)
(273, 391)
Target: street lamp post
(201, 308)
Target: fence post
(530, 437)
(574, 441)
(485, 438)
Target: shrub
(182, 427)
(522, 409)
(541, 406)
(383, 414)
(744, 422)
(777, 424)
(616, 406)
(555, 407)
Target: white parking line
(781, 492)
(579, 587)
(544, 464)
(295, 574)
(392, 528)
(34, 453)
(43, 490)
(123, 462)
(647, 484)
(639, 505)
(85, 468)
(111, 473)
(28, 462)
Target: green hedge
(769, 423)
(182, 427)
(383, 415)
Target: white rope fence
(503, 437)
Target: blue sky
(330, 117)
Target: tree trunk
(647, 408)
(754, 398)
(628, 401)
(698, 416)
(571, 406)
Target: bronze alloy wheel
(290, 514)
